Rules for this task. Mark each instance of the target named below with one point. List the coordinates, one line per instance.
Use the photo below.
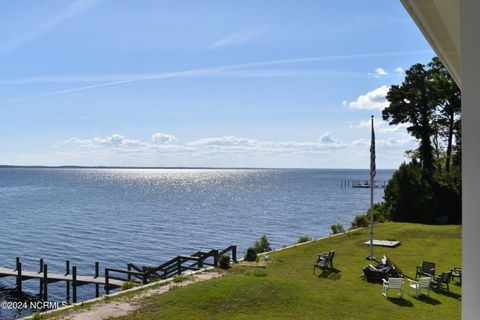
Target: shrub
(251, 254)
(303, 239)
(224, 262)
(262, 245)
(360, 221)
(337, 228)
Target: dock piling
(107, 287)
(45, 282)
(97, 273)
(74, 284)
(19, 276)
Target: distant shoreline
(178, 168)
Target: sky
(203, 83)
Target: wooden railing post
(107, 285)
(215, 258)
(45, 282)
(97, 273)
(74, 284)
(67, 267)
(129, 268)
(40, 269)
(67, 272)
(234, 254)
(145, 278)
(179, 266)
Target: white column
(470, 42)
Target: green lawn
(286, 288)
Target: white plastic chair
(417, 286)
(393, 283)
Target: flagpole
(372, 175)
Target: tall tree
(414, 102)
(448, 105)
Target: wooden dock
(362, 184)
(111, 278)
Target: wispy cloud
(236, 38)
(201, 72)
(74, 9)
(252, 73)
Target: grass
(286, 289)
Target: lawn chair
(423, 283)
(324, 261)
(442, 280)
(427, 269)
(457, 273)
(393, 283)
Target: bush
(251, 254)
(360, 221)
(303, 239)
(224, 262)
(262, 245)
(337, 228)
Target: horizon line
(3, 166)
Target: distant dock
(362, 184)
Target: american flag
(373, 170)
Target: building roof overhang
(439, 21)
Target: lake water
(147, 216)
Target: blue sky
(202, 83)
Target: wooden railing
(172, 267)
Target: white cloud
(163, 138)
(375, 99)
(238, 143)
(327, 138)
(379, 72)
(115, 140)
(236, 38)
(400, 71)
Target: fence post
(145, 278)
(74, 284)
(107, 286)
